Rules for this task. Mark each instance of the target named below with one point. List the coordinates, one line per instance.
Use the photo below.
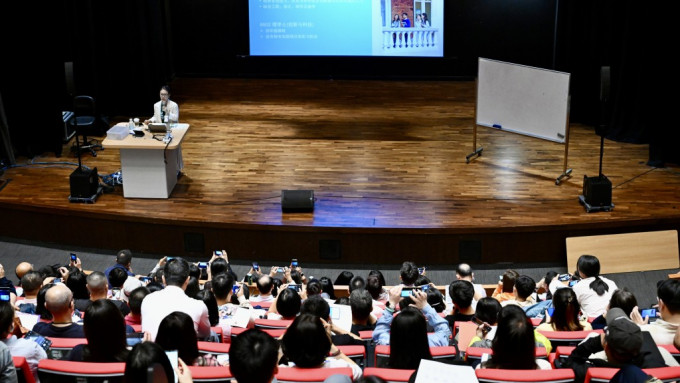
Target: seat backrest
(213, 347)
(83, 105)
(490, 375)
(473, 353)
(24, 374)
(61, 346)
(389, 375)
(273, 323)
(58, 371)
(599, 374)
(217, 374)
(355, 352)
(309, 375)
(567, 338)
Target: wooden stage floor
(386, 160)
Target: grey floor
(13, 251)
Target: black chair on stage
(85, 124)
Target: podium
(149, 165)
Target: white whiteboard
(523, 99)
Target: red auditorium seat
(439, 354)
(309, 375)
(201, 374)
(561, 352)
(272, 323)
(567, 338)
(389, 375)
(473, 353)
(261, 305)
(604, 374)
(214, 348)
(490, 375)
(355, 352)
(51, 370)
(61, 346)
(24, 374)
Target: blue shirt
(440, 337)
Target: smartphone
(256, 267)
(421, 270)
(294, 287)
(406, 292)
(651, 313)
(172, 356)
(116, 293)
(479, 322)
(203, 265)
(280, 270)
(74, 257)
(5, 295)
(218, 253)
(235, 288)
(551, 310)
(425, 287)
(39, 339)
(564, 277)
(145, 279)
(57, 280)
(134, 337)
(572, 283)
(294, 262)
(168, 259)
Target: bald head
(22, 269)
(464, 272)
(58, 299)
(97, 283)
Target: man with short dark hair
(123, 261)
(361, 302)
(663, 329)
(357, 282)
(156, 306)
(461, 293)
(253, 357)
(524, 288)
(97, 286)
(31, 283)
(408, 273)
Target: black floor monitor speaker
(84, 182)
(597, 191)
(297, 200)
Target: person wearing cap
(623, 343)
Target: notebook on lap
(157, 127)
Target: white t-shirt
(593, 305)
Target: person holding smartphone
(29, 349)
(264, 287)
(4, 282)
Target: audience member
(544, 285)
(375, 288)
(21, 269)
(286, 305)
(357, 282)
(4, 282)
(104, 328)
(147, 355)
(253, 357)
(176, 332)
(514, 345)
(464, 273)
(408, 273)
(362, 305)
(18, 346)
(344, 278)
(8, 372)
(159, 304)
(313, 288)
(566, 316)
(307, 344)
(523, 291)
(135, 303)
(210, 301)
(506, 285)
(623, 343)
(486, 316)
(40, 307)
(77, 283)
(621, 298)
(264, 287)
(664, 328)
(318, 306)
(435, 299)
(98, 288)
(327, 288)
(592, 291)
(123, 261)
(59, 302)
(116, 280)
(461, 292)
(387, 324)
(192, 288)
(31, 283)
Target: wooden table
(149, 166)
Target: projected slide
(346, 28)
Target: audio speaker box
(597, 191)
(297, 200)
(84, 182)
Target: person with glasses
(164, 110)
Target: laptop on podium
(158, 127)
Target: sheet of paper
(436, 372)
(28, 320)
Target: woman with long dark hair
(592, 291)
(514, 346)
(149, 354)
(567, 314)
(623, 299)
(176, 332)
(104, 328)
(210, 301)
(328, 288)
(307, 343)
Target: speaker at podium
(297, 201)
